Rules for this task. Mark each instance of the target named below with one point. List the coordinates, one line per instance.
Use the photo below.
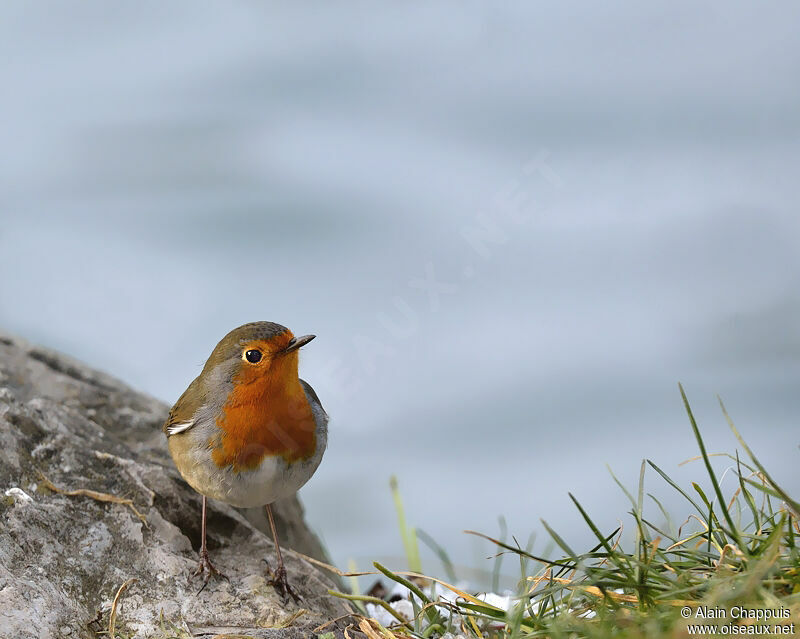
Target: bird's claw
(279, 581)
(206, 570)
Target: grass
(732, 552)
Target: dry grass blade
(374, 630)
(368, 599)
(333, 569)
(594, 590)
(292, 618)
(322, 627)
(367, 629)
(94, 494)
(112, 619)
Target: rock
(63, 558)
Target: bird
(248, 431)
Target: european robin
(248, 431)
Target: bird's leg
(278, 580)
(205, 567)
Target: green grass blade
(795, 506)
(722, 505)
(557, 538)
(621, 486)
(407, 534)
(354, 588)
(748, 498)
(519, 551)
(673, 531)
(440, 552)
(669, 480)
(498, 558)
(431, 613)
(619, 559)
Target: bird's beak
(297, 342)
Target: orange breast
(264, 417)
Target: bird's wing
(314, 399)
(181, 415)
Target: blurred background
(513, 228)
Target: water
(513, 230)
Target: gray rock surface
(63, 558)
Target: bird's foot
(279, 581)
(206, 570)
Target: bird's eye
(253, 356)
